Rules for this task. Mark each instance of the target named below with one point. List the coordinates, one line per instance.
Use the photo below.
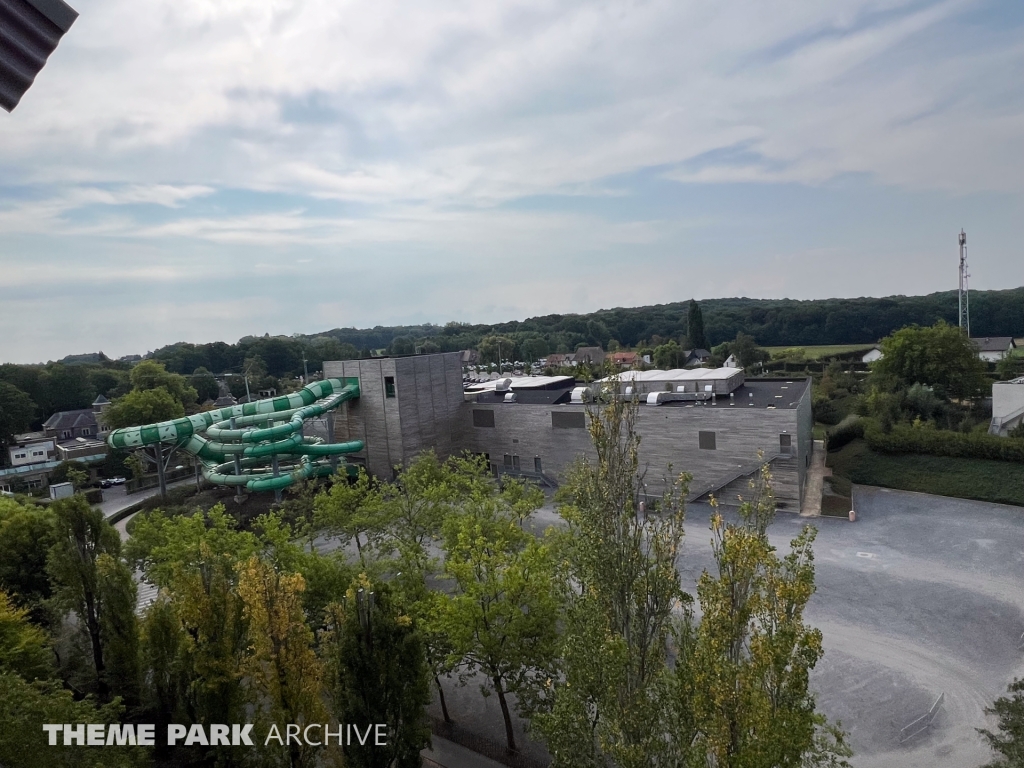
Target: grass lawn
(981, 479)
(817, 353)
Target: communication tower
(965, 313)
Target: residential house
(470, 357)
(80, 434)
(731, 362)
(992, 349)
(589, 355)
(67, 425)
(623, 359)
(559, 359)
(694, 358)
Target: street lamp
(29, 33)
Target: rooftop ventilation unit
(580, 395)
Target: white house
(731, 362)
(992, 349)
(31, 449)
(875, 353)
(1007, 406)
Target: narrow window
(515, 461)
(508, 460)
(389, 386)
(706, 440)
(785, 444)
(536, 465)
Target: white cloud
(425, 147)
(481, 102)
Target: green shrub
(94, 495)
(935, 442)
(825, 412)
(849, 429)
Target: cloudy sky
(205, 169)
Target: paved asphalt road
(115, 499)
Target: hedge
(848, 430)
(935, 442)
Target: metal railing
(923, 723)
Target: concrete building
(31, 448)
(709, 422)
(406, 405)
(1007, 406)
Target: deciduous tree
(939, 356)
(502, 619)
(378, 675)
(620, 583)
(142, 406)
(83, 539)
(742, 698)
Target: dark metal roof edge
(57, 11)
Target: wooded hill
(772, 322)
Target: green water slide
(258, 445)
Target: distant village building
(31, 448)
(589, 355)
(731, 362)
(694, 358)
(623, 359)
(992, 349)
(560, 359)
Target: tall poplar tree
(620, 582)
(695, 327)
(741, 680)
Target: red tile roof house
(624, 359)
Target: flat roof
(756, 393)
(524, 382)
(677, 374)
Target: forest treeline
(771, 322)
(75, 381)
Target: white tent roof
(678, 374)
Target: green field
(817, 353)
(981, 479)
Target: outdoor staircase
(742, 470)
(995, 427)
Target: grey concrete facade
(411, 404)
(523, 434)
(406, 405)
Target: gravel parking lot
(921, 596)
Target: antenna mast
(965, 313)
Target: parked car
(106, 483)
(117, 480)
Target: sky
(202, 170)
